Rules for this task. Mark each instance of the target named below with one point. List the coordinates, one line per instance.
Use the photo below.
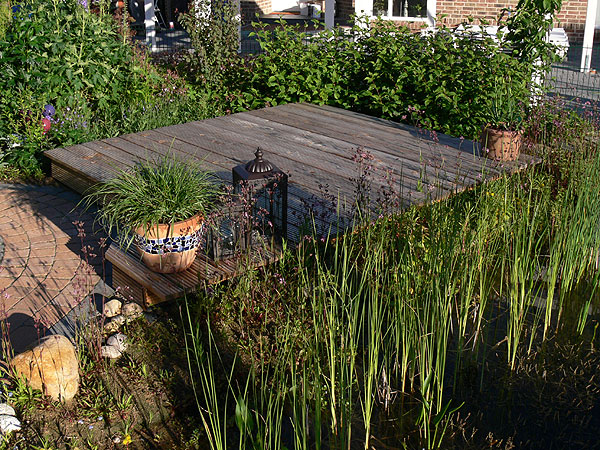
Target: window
(400, 8)
(405, 10)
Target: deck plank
(414, 147)
(315, 145)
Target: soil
(145, 394)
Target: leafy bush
(442, 80)
(4, 17)
(62, 54)
(213, 29)
(528, 28)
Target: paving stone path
(50, 260)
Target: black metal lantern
(263, 188)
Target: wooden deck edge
(142, 278)
(70, 177)
(148, 288)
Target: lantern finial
(259, 165)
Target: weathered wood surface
(316, 145)
(148, 288)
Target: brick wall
(458, 11)
(249, 8)
(571, 17)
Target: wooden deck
(148, 288)
(315, 145)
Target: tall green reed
(576, 239)
(387, 309)
(524, 233)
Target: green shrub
(76, 60)
(213, 29)
(4, 17)
(443, 81)
(62, 50)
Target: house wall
(249, 9)
(571, 16)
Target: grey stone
(109, 351)
(6, 410)
(119, 341)
(9, 423)
(114, 324)
(132, 311)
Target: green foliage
(213, 28)
(61, 54)
(443, 80)
(528, 27)
(78, 61)
(161, 191)
(66, 53)
(5, 16)
(23, 139)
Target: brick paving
(51, 259)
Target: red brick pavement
(44, 272)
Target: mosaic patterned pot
(501, 145)
(170, 248)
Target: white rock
(119, 341)
(7, 410)
(109, 351)
(132, 311)
(112, 308)
(114, 324)
(9, 423)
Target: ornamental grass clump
(157, 191)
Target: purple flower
(49, 111)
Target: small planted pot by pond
(170, 248)
(501, 145)
(159, 206)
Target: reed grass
(378, 328)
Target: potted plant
(502, 137)
(160, 206)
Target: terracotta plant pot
(170, 248)
(501, 145)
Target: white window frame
(365, 7)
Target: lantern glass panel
(266, 194)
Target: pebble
(119, 341)
(7, 410)
(132, 311)
(109, 351)
(114, 324)
(112, 308)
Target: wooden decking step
(135, 281)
